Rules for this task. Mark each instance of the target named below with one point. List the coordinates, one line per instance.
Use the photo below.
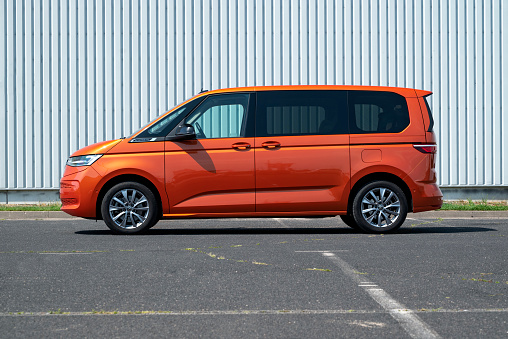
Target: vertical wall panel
(63, 58)
(55, 104)
(99, 72)
(12, 114)
(497, 149)
(162, 60)
(108, 70)
(3, 95)
(78, 72)
(154, 57)
(28, 128)
(47, 87)
(127, 110)
(20, 92)
(504, 93)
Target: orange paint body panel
(304, 173)
(77, 191)
(210, 176)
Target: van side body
(275, 151)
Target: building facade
(77, 72)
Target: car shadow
(277, 230)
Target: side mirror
(184, 132)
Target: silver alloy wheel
(380, 207)
(128, 208)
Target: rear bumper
(77, 192)
(427, 197)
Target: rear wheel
(129, 208)
(380, 207)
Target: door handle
(271, 144)
(241, 145)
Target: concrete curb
(459, 215)
(34, 215)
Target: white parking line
(409, 321)
(56, 253)
(281, 222)
(322, 251)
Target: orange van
(364, 153)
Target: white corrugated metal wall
(77, 72)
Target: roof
(406, 92)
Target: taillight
(427, 149)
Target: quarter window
(377, 112)
(301, 113)
(431, 119)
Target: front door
(215, 172)
(302, 151)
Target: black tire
(129, 208)
(350, 221)
(380, 207)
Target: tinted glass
(377, 112)
(301, 113)
(431, 124)
(220, 116)
(162, 127)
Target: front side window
(220, 116)
(284, 113)
(377, 112)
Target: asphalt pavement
(438, 276)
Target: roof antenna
(203, 90)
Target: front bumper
(78, 192)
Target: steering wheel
(200, 134)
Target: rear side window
(431, 119)
(285, 113)
(377, 112)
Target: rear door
(213, 173)
(302, 151)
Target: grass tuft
(38, 207)
(470, 205)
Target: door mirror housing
(183, 132)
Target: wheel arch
(378, 176)
(123, 178)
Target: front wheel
(350, 221)
(129, 207)
(380, 207)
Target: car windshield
(162, 127)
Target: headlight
(83, 160)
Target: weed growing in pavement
(59, 311)
(437, 221)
